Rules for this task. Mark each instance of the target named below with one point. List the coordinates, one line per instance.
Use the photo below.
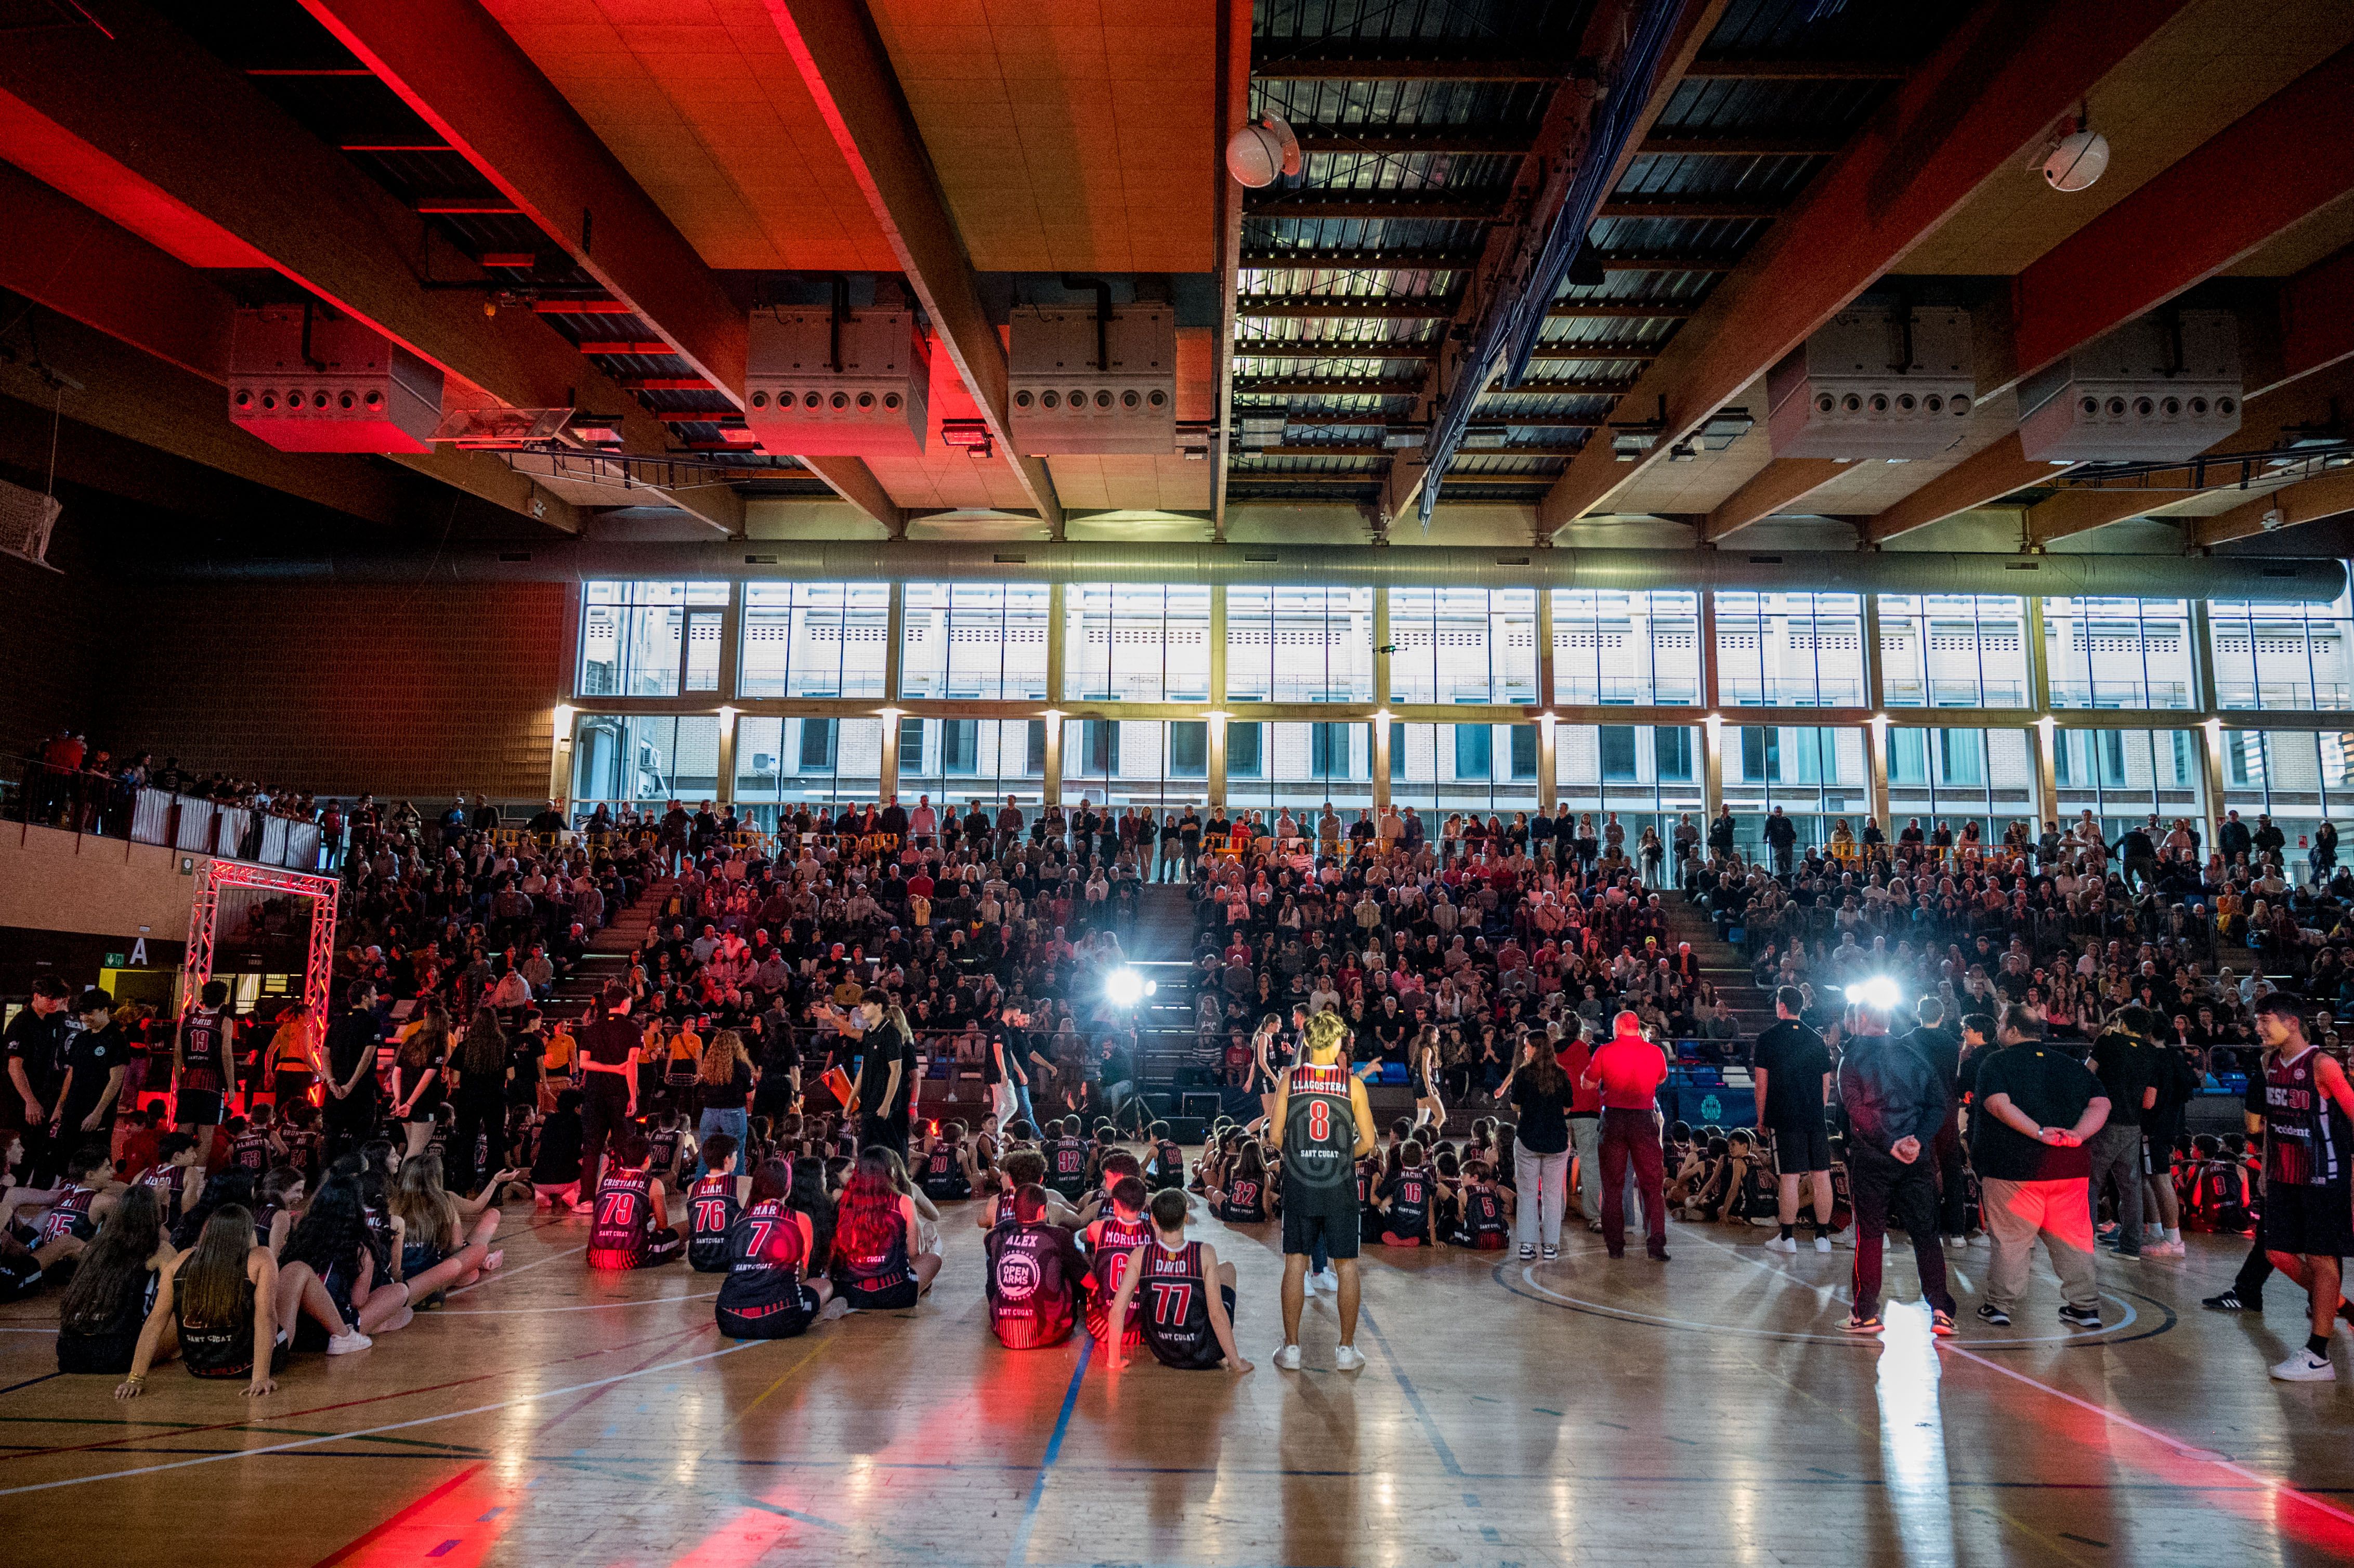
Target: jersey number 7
(1171, 1304)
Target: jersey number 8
(1320, 1120)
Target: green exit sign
(115, 960)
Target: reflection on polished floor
(1707, 1411)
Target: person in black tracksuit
(1895, 1101)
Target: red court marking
(450, 1515)
(353, 1403)
(2276, 1503)
(344, 1552)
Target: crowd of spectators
(2071, 922)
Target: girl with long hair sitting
(428, 1227)
(223, 1302)
(877, 1263)
(114, 1286)
(334, 1240)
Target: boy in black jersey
(1167, 1170)
(944, 1164)
(714, 1201)
(1067, 1157)
(1037, 1280)
(1487, 1218)
(1406, 1201)
(1187, 1324)
(1112, 1243)
(630, 1224)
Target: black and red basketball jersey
(944, 1180)
(204, 1039)
(764, 1260)
(1067, 1173)
(1116, 1244)
(1030, 1298)
(1245, 1201)
(624, 1218)
(712, 1212)
(69, 1216)
(250, 1151)
(1409, 1193)
(1483, 1220)
(1176, 1308)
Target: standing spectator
(351, 1103)
(2126, 1064)
(1895, 1101)
(1792, 1069)
(1585, 1119)
(1941, 1046)
(33, 1044)
(1782, 838)
(608, 1053)
(1540, 1091)
(2036, 1107)
(724, 1089)
(1628, 1070)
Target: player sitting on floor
(1037, 1283)
(1186, 1295)
(631, 1228)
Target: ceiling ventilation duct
(1874, 384)
(2163, 388)
(1099, 382)
(837, 382)
(306, 380)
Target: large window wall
(651, 639)
(815, 640)
(1136, 642)
(776, 695)
(1463, 645)
(1790, 650)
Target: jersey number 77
(1171, 1304)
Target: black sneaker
(2230, 1302)
(1870, 1325)
(1990, 1313)
(1528, 1253)
(2081, 1317)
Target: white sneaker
(1955, 1241)
(1328, 1280)
(1307, 1284)
(1348, 1357)
(1822, 1244)
(1287, 1358)
(2162, 1249)
(1840, 1239)
(2304, 1366)
(345, 1344)
(1782, 1243)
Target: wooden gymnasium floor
(1704, 1413)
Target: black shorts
(1302, 1225)
(2315, 1221)
(1801, 1144)
(778, 1325)
(197, 1108)
(890, 1298)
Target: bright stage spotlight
(1878, 992)
(1125, 988)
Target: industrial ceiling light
(1262, 150)
(2073, 161)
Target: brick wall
(407, 690)
(54, 626)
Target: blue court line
(30, 1382)
(1414, 1399)
(1020, 1550)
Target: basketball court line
(192, 1430)
(498, 1274)
(2183, 1449)
(589, 1307)
(1020, 1550)
(520, 1400)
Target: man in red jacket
(1628, 1070)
